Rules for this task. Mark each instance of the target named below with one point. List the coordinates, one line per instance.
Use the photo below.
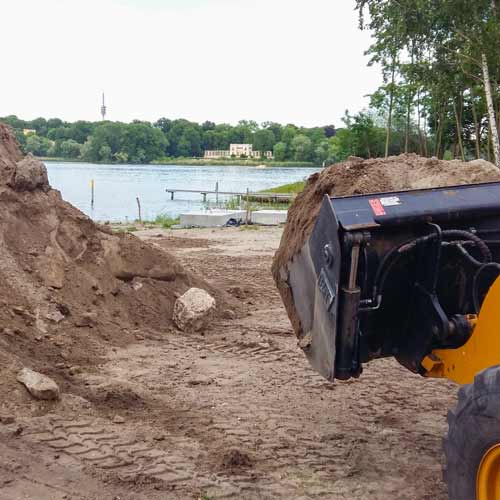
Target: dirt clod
(235, 459)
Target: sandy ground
(236, 413)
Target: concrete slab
(269, 217)
(210, 218)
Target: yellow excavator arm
(480, 352)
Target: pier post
(139, 207)
(247, 218)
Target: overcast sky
(290, 61)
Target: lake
(117, 186)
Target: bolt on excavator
(413, 275)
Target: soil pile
(70, 286)
(358, 176)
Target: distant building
(238, 150)
(29, 131)
(241, 150)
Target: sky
(289, 61)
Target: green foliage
(166, 221)
(295, 187)
(37, 145)
(302, 148)
(280, 151)
(433, 55)
(170, 140)
(70, 149)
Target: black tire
(473, 428)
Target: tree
(321, 152)
(280, 151)
(105, 153)
(80, 131)
(107, 135)
(330, 131)
(206, 126)
(452, 46)
(142, 142)
(302, 148)
(39, 146)
(87, 153)
(164, 124)
(40, 125)
(263, 140)
(288, 133)
(70, 149)
(192, 136)
(183, 147)
(121, 157)
(361, 136)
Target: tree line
(144, 142)
(441, 71)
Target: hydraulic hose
(475, 282)
(392, 257)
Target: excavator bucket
(394, 274)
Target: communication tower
(103, 108)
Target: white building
(241, 150)
(238, 151)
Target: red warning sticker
(377, 207)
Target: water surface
(117, 186)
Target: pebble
(118, 420)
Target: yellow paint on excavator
(481, 351)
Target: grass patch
(233, 162)
(124, 229)
(249, 227)
(295, 187)
(166, 221)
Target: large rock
(30, 174)
(194, 310)
(39, 386)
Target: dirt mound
(69, 285)
(358, 176)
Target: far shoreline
(194, 162)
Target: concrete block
(269, 217)
(210, 218)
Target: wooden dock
(284, 197)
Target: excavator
(413, 275)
